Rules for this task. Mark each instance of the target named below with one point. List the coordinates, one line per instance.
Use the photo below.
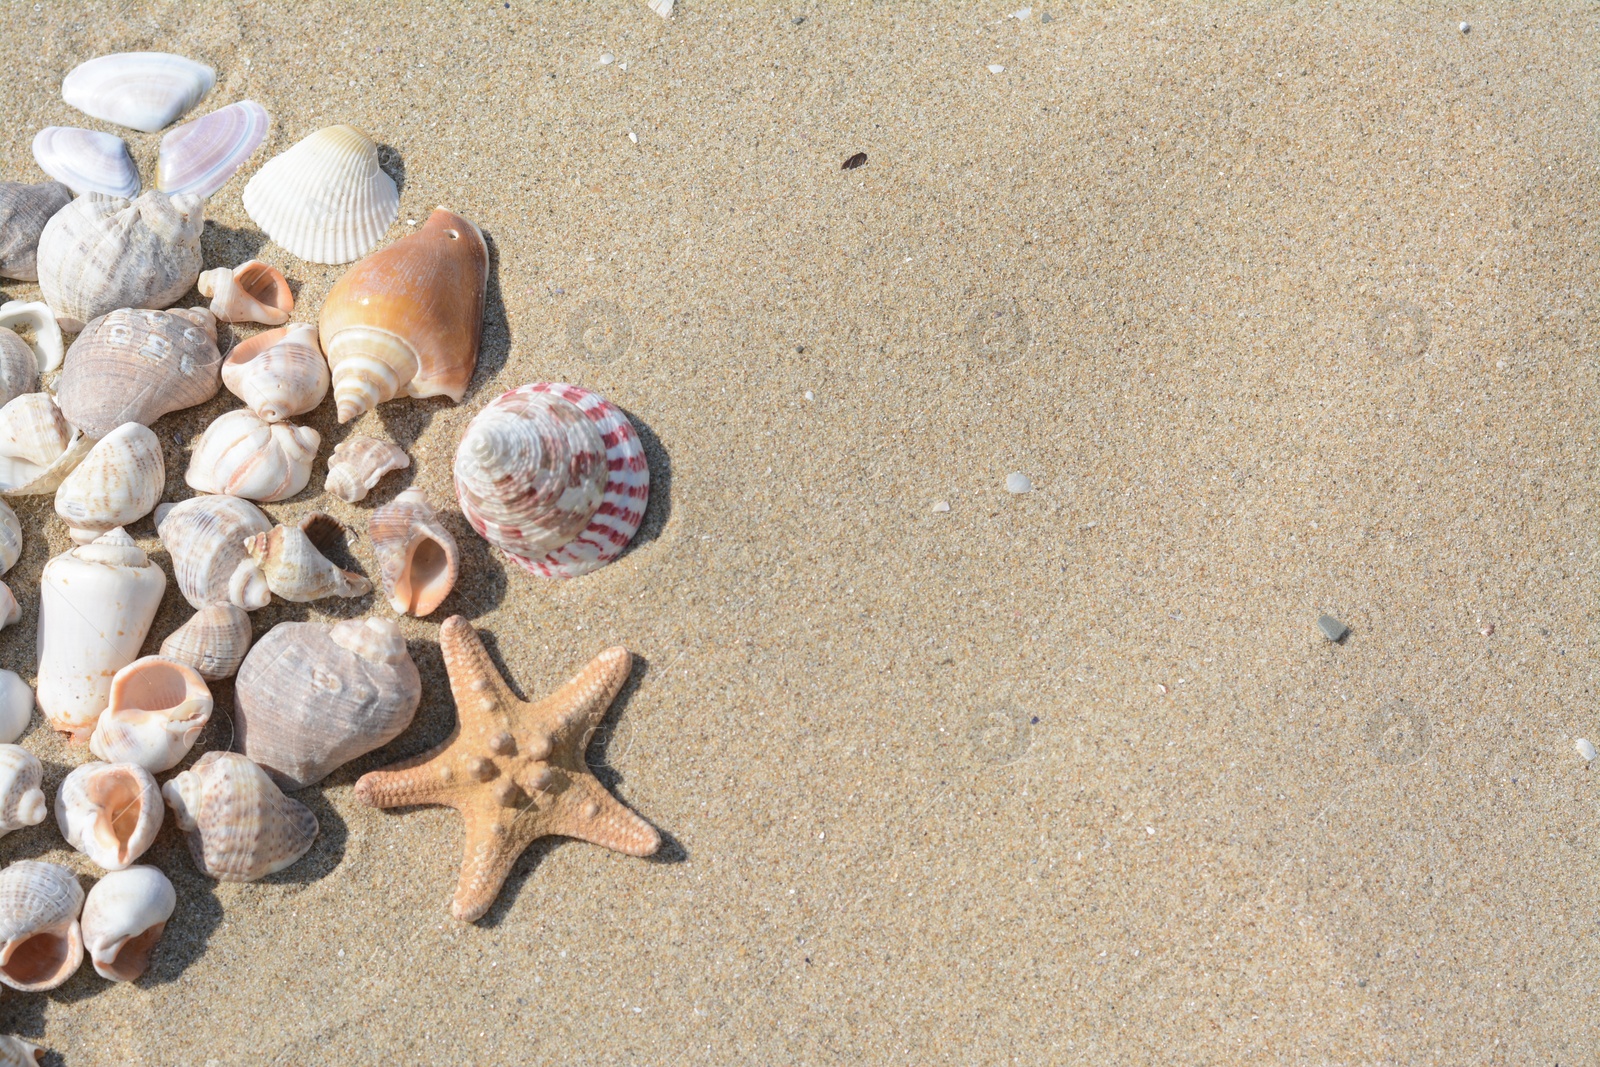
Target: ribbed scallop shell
(40, 943)
(136, 366)
(24, 209)
(88, 161)
(141, 90)
(416, 554)
(205, 537)
(123, 919)
(241, 454)
(117, 483)
(326, 199)
(278, 373)
(213, 642)
(101, 253)
(38, 449)
(200, 156)
(359, 463)
(251, 292)
(154, 714)
(555, 476)
(240, 825)
(294, 565)
(22, 802)
(47, 348)
(16, 706)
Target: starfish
(514, 770)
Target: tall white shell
(325, 199)
(240, 825)
(21, 800)
(40, 942)
(16, 706)
(109, 811)
(118, 482)
(241, 454)
(154, 714)
(141, 90)
(205, 537)
(123, 918)
(38, 449)
(47, 345)
(86, 161)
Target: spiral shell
(359, 463)
(154, 714)
(205, 537)
(24, 209)
(109, 811)
(21, 800)
(240, 825)
(213, 642)
(142, 90)
(40, 942)
(416, 554)
(136, 366)
(10, 538)
(278, 373)
(251, 292)
(123, 919)
(241, 454)
(294, 566)
(118, 482)
(325, 199)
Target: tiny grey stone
(798, 19)
(1046, 17)
(1466, 27)
(1332, 628)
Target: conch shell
(241, 454)
(40, 943)
(325, 199)
(213, 642)
(155, 713)
(16, 706)
(555, 476)
(416, 554)
(251, 292)
(312, 698)
(24, 209)
(38, 449)
(296, 569)
(278, 373)
(123, 918)
(406, 320)
(135, 366)
(118, 482)
(21, 800)
(205, 537)
(101, 253)
(240, 825)
(109, 811)
(359, 463)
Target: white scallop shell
(205, 537)
(241, 454)
(117, 483)
(240, 825)
(40, 943)
(22, 802)
(38, 449)
(123, 918)
(109, 811)
(154, 714)
(279, 373)
(86, 161)
(325, 199)
(141, 90)
(16, 706)
(200, 156)
(213, 642)
(47, 345)
(359, 463)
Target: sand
(1283, 311)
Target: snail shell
(213, 642)
(109, 811)
(240, 825)
(24, 209)
(325, 199)
(241, 454)
(38, 449)
(278, 373)
(21, 800)
(205, 537)
(135, 366)
(251, 292)
(416, 554)
(358, 463)
(19, 371)
(16, 706)
(294, 566)
(20, 1052)
(123, 919)
(118, 482)
(154, 714)
(40, 942)
(142, 90)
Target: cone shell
(358, 463)
(118, 482)
(555, 476)
(24, 209)
(154, 714)
(205, 537)
(251, 292)
(109, 811)
(86, 160)
(38, 449)
(326, 199)
(200, 156)
(295, 567)
(240, 825)
(123, 919)
(241, 454)
(101, 253)
(416, 554)
(406, 321)
(40, 943)
(20, 1052)
(16, 706)
(136, 366)
(278, 373)
(213, 642)
(21, 799)
(141, 90)
(47, 348)
(312, 698)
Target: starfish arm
(410, 781)
(582, 702)
(473, 674)
(589, 813)
(487, 857)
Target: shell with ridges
(47, 346)
(38, 449)
(10, 538)
(278, 373)
(141, 90)
(16, 706)
(241, 454)
(325, 199)
(200, 156)
(88, 161)
(24, 209)
(123, 918)
(118, 482)
(22, 802)
(416, 554)
(20, 1052)
(205, 537)
(240, 825)
(295, 568)
(109, 811)
(154, 714)
(213, 642)
(358, 463)
(251, 292)
(19, 371)
(137, 365)
(40, 943)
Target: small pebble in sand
(1466, 27)
(1487, 630)
(633, 137)
(1332, 628)
(1021, 14)
(996, 68)
(1046, 17)
(1585, 749)
(941, 507)
(1017, 482)
(809, 396)
(607, 58)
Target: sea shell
(37, 447)
(40, 943)
(205, 537)
(416, 554)
(96, 604)
(312, 698)
(156, 711)
(21, 800)
(555, 476)
(213, 641)
(296, 570)
(88, 161)
(123, 918)
(10, 538)
(136, 366)
(241, 827)
(48, 350)
(24, 209)
(109, 811)
(358, 463)
(101, 253)
(16, 706)
(278, 373)
(10, 610)
(118, 482)
(20, 1052)
(141, 90)
(251, 292)
(242, 454)
(406, 320)
(325, 199)
(200, 156)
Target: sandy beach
(1281, 311)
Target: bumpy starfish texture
(514, 770)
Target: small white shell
(205, 537)
(40, 942)
(20, 1052)
(214, 641)
(21, 800)
(48, 348)
(278, 373)
(38, 449)
(123, 918)
(251, 292)
(109, 811)
(358, 463)
(117, 483)
(87, 161)
(156, 712)
(325, 199)
(200, 156)
(141, 90)
(240, 825)
(241, 454)
(16, 706)
(10, 538)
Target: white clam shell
(359, 463)
(117, 483)
(20, 1052)
(213, 642)
(325, 199)
(123, 918)
(200, 156)
(295, 567)
(251, 292)
(38, 449)
(48, 348)
(22, 801)
(279, 373)
(40, 942)
(154, 714)
(205, 537)
(24, 209)
(417, 557)
(110, 812)
(16, 706)
(140, 90)
(240, 825)
(87, 161)
(241, 454)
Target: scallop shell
(20, 1052)
(213, 641)
(358, 463)
(10, 538)
(242, 454)
(117, 483)
(16, 706)
(406, 320)
(96, 604)
(40, 943)
(154, 714)
(200, 156)
(278, 373)
(47, 348)
(205, 537)
(101, 253)
(251, 292)
(240, 825)
(22, 802)
(311, 698)
(555, 476)
(123, 919)
(416, 554)
(88, 161)
(141, 90)
(109, 811)
(37, 447)
(296, 570)
(24, 209)
(136, 366)
(10, 610)
(325, 199)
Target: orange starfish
(515, 771)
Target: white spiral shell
(40, 942)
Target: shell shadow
(326, 851)
(393, 164)
(198, 915)
(24, 1016)
(227, 246)
(658, 511)
(482, 580)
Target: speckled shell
(200, 156)
(38, 449)
(555, 476)
(240, 825)
(359, 463)
(88, 161)
(154, 714)
(24, 209)
(406, 320)
(312, 698)
(136, 366)
(16, 706)
(278, 373)
(22, 802)
(296, 570)
(47, 348)
(20, 1052)
(213, 642)
(241, 454)
(417, 556)
(101, 253)
(117, 483)
(40, 943)
(123, 919)
(141, 90)
(205, 537)
(109, 811)
(325, 199)
(251, 292)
